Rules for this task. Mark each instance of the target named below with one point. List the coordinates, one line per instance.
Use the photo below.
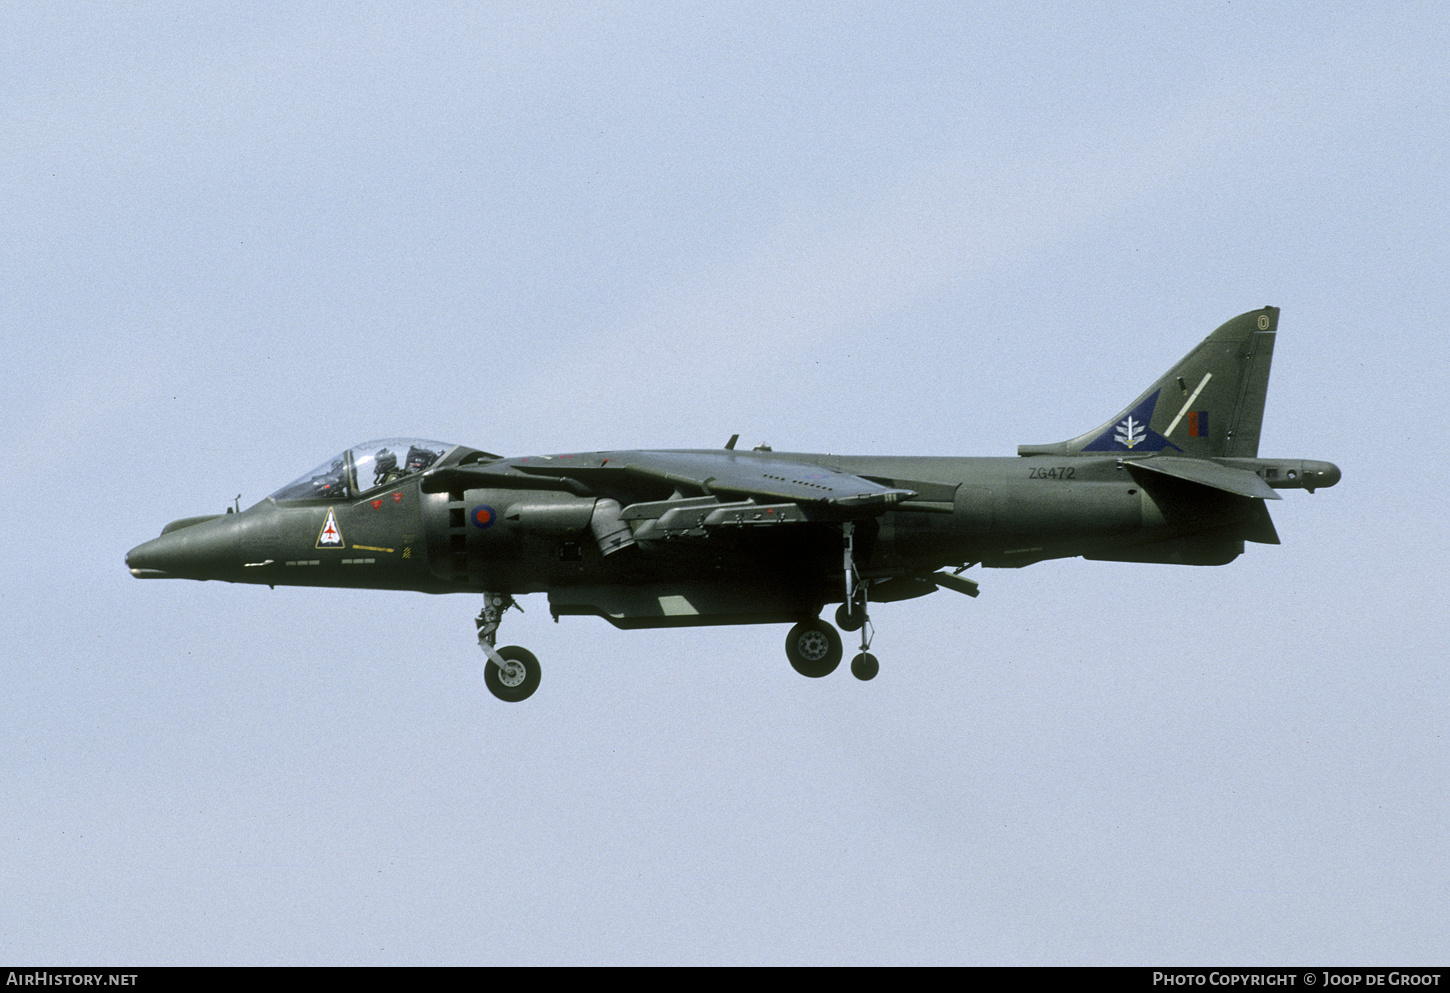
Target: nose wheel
(511, 673)
(518, 676)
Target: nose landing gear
(511, 673)
(516, 678)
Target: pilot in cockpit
(385, 468)
(341, 477)
(419, 459)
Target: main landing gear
(511, 673)
(814, 647)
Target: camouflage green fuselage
(1000, 512)
(664, 538)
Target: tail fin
(1210, 404)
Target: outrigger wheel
(865, 666)
(814, 648)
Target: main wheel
(814, 648)
(865, 666)
(518, 679)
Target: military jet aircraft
(650, 539)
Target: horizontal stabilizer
(1239, 482)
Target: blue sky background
(238, 238)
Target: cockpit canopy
(365, 467)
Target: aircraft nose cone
(150, 560)
(205, 550)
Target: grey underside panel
(1204, 549)
(684, 604)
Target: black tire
(847, 619)
(865, 666)
(814, 648)
(511, 687)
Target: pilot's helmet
(385, 462)
(420, 458)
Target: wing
(725, 474)
(705, 488)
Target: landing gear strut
(864, 666)
(511, 673)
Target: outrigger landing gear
(865, 666)
(814, 647)
(511, 673)
(853, 614)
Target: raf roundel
(483, 516)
